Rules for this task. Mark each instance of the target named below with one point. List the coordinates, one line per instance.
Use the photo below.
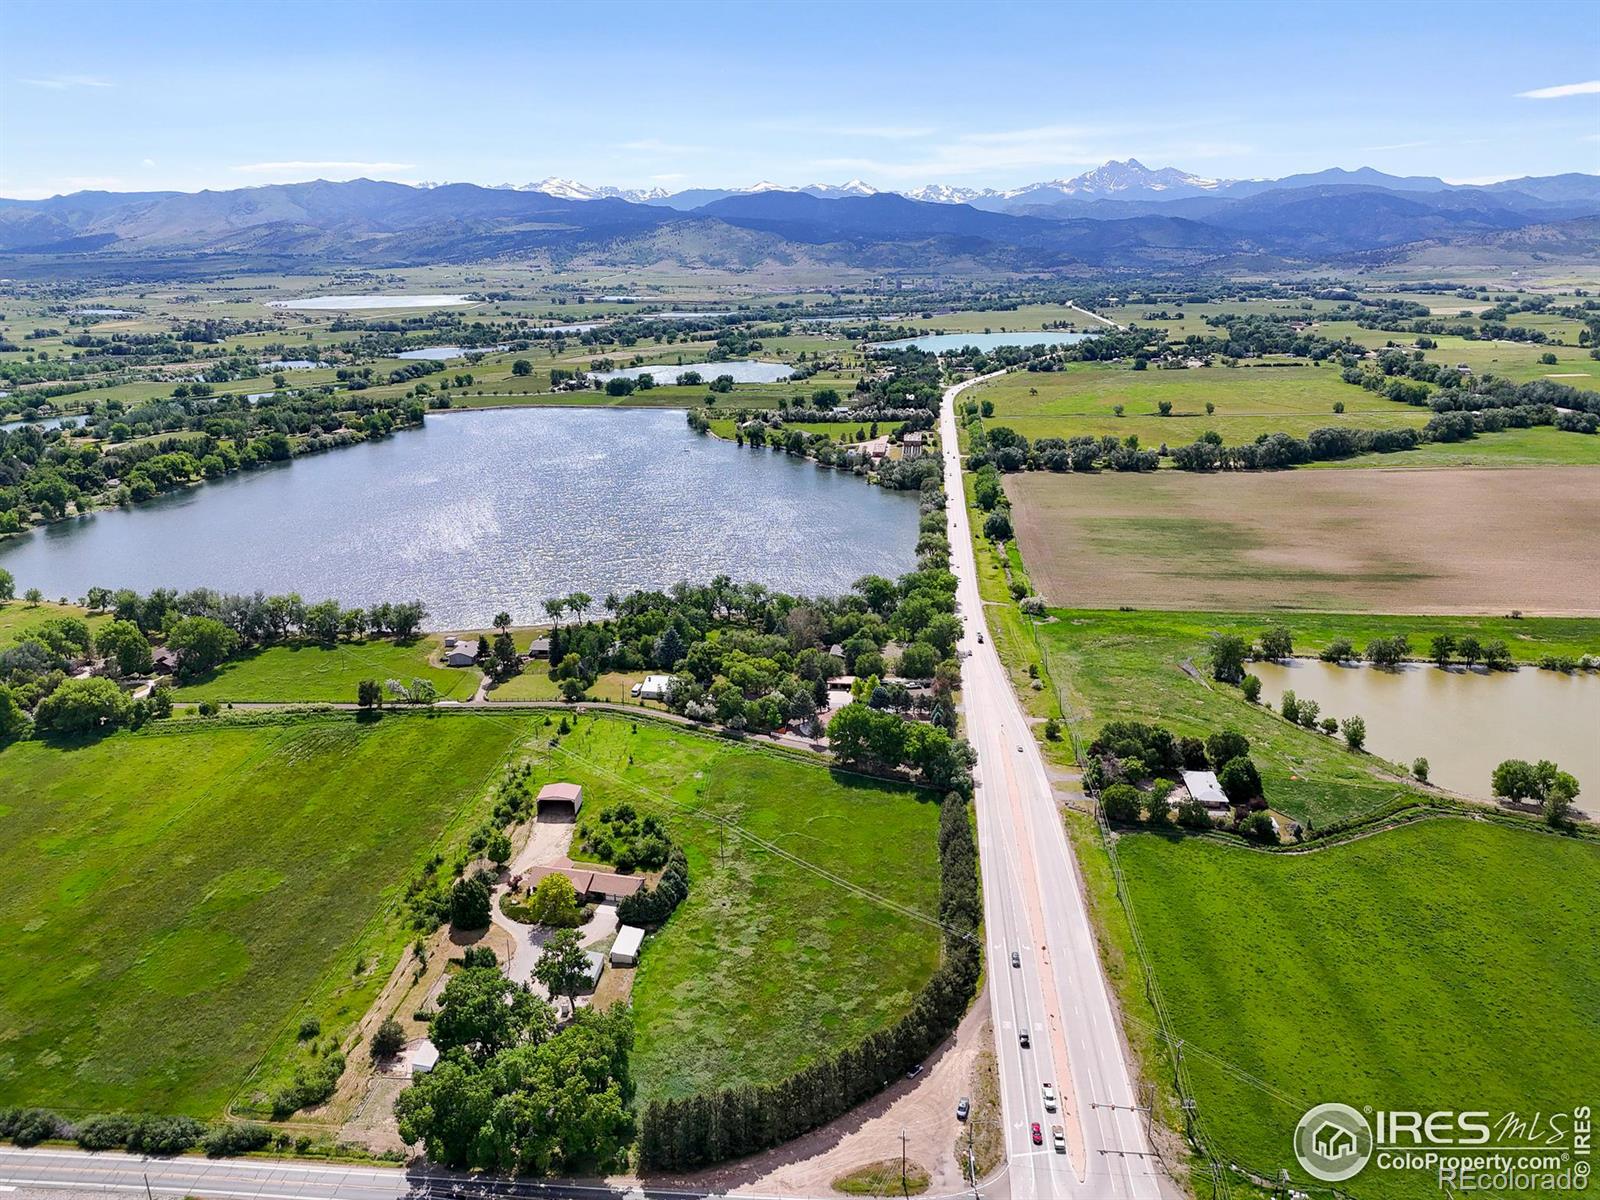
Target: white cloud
(60, 83)
(147, 162)
(1478, 180)
(304, 166)
(668, 177)
(1562, 91)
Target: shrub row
(652, 906)
(161, 1136)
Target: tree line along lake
(482, 511)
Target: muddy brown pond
(1463, 722)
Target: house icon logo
(1333, 1142)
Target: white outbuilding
(653, 687)
(422, 1057)
(625, 950)
(1203, 786)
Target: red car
(1038, 1134)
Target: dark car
(963, 1109)
(1024, 1040)
(1038, 1134)
(914, 1072)
(1016, 959)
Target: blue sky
(157, 94)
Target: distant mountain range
(1121, 216)
(1130, 180)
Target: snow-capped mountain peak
(944, 193)
(563, 189)
(1119, 179)
(1126, 180)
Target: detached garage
(625, 950)
(560, 797)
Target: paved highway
(1034, 907)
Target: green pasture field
(307, 671)
(1407, 970)
(1024, 317)
(1194, 315)
(1111, 665)
(177, 900)
(1542, 445)
(766, 966)
(1248, 400)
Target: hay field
(1423, 541)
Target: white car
(1049, 1098)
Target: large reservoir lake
(1463, 722)
(478, 512)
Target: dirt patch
(1417, 541)
(982, 1145)
(923, 1108)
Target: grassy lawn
(767, 965)
(17, 615)
(886, 1178)
(1407, 970)
(176, 900)
(305, 671)
(534, 683)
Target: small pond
(1463, 722)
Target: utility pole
(147, 1193)
(902, 1160)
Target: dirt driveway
(925, 1108)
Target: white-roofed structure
(1203, 786)
(653, 687)
(625, 950)
(422, 1057)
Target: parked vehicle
(914, 1072)
(963, 1109)
(1059, 1137)
(1049, 1098)
(1038, 1137)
